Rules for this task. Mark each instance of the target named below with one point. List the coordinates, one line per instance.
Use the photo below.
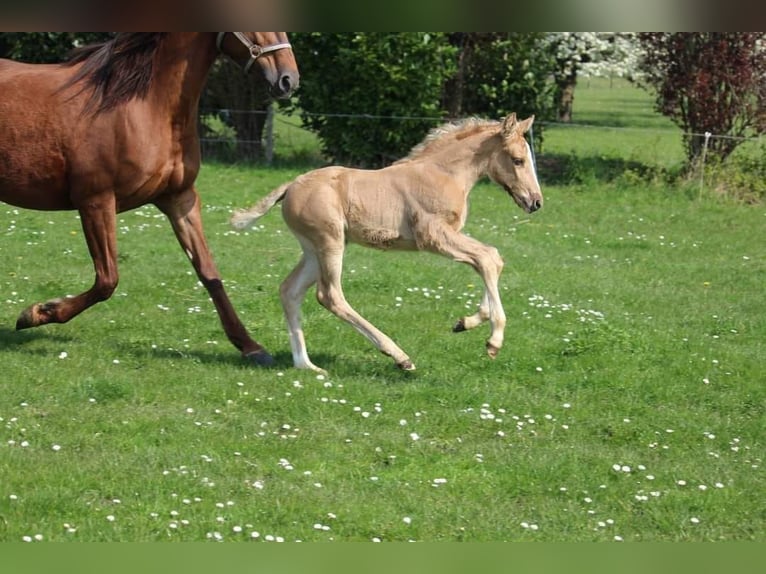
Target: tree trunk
(250, 124)
(228, 88)
(566, 88)
(453, 88)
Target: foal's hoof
(492, 351)
(459, 326)
(260, 358)
(406, 365)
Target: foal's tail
(245, 217)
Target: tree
(499, 73)
(394, 79)
(241, 103)
(406, 83)
(618, 57)
(590, 52)
(711, 82)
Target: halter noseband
(256, 51)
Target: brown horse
(418, 203)
(115, 128)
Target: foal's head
(512, 166)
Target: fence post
(702, 162)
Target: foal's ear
(509, 125)
(526, 124)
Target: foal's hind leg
(98, 224)
(183, 211)
(330, 295)
(292, 292)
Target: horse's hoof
(406, 365)
(260, 358)
(26, 319)
(459, 326)
(492, 351)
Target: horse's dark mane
(117, 70)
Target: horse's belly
(34, 188)
(44, 192)
(41, 200)
(32, 171)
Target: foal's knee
(328, 297)
(323, 296)
(497, 259)
(491, 260)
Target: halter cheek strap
(255, 50)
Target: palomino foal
(417, 203)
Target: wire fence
(285, 138)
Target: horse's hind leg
(292, 292)
(183, 211)
(98, 223)
(330, 295)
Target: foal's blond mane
(439, 136)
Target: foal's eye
(518, 162)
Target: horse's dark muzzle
(286, 85)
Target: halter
(256, 51)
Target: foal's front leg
(183, 211)
(98, 219)
(487, 262)
(471, 321)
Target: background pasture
(627, 404)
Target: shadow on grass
(10, 337)
(372, 365)
(563, 169)
(225, 355)
(375, 367)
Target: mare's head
(270, 52)
(512, 165)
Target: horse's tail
(245, 217)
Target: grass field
(627, 404)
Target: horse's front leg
(184, 212)
(98, 222)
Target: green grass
(614, 131)
(627, 402)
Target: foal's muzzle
(530, 204)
